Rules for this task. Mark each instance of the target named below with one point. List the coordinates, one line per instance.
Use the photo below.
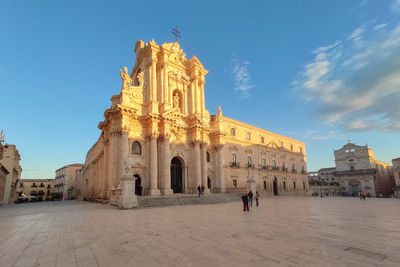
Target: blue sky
(323, 72)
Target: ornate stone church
(159, 121)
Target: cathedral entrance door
(176, 175)
(208, 183)
(275, 185)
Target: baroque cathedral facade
(159, 121)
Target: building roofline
(71, 165)
(261, 130)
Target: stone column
(153, 188)
(165, 168)
(197, 164)
(204, 168)
(221, 180)
(123, 153)
(112, 159)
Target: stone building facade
(65, 181)
(396, 171)
(10, 174)
(159, 122)
(357, 169)
(43, 189)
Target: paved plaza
(282, 231)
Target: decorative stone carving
(176, 101)
(128, 165)
(126, 79)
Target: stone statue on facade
(176, 101)
(128, 164)
(219, 111)
(126, 79)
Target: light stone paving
(283, 231)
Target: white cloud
(379, 27)
(357, 34)
(242, 77)
(356, 85)
(395, 6)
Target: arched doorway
(176, 175)
(275, 184)
(138, 185)
(208, 183)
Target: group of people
(248, 200)
(362, 195)
(200, 190)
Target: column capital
(152, 135)
(165, 136)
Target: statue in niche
(126, 79)
(128, 164)
(140, 78)
(176, 101)
(219, 111)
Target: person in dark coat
(250, 196)
(245, 200)
(199, 190)
(202, 190)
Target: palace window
(274, 163)
(249, 162)
(263, 163)
(248, 136)
(233, 131)
(208, 157)
(283, 165)
(136, 148)
(262, 139)
(284, 185)
(235, 183)
(294, 185)
(265, 185)
(233, 158)
(291, 147)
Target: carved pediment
(272, 144)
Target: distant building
(43, 189)
(396, 173)
(357, 169)
(323, 182)
(10, 173)
(65, 181)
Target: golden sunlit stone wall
(158, 125)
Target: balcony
(274, 168)
(264, 167)
(249, 165)
(235, 164)
(303, 172)
(294, 171)
(284, 169)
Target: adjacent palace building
(159, 125)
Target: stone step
(185, 199)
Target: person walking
(199, 190)
(363, 195)
(250, 196)
(202, 190)
(256, 197)
(245, 200)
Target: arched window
(233, 132)
(248, 135)
(208, 157)
(136, 148)
(262, 139)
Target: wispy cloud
(321, 136)
(241, 75)
(395, 6)
(356, 85)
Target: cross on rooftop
(176, 33)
